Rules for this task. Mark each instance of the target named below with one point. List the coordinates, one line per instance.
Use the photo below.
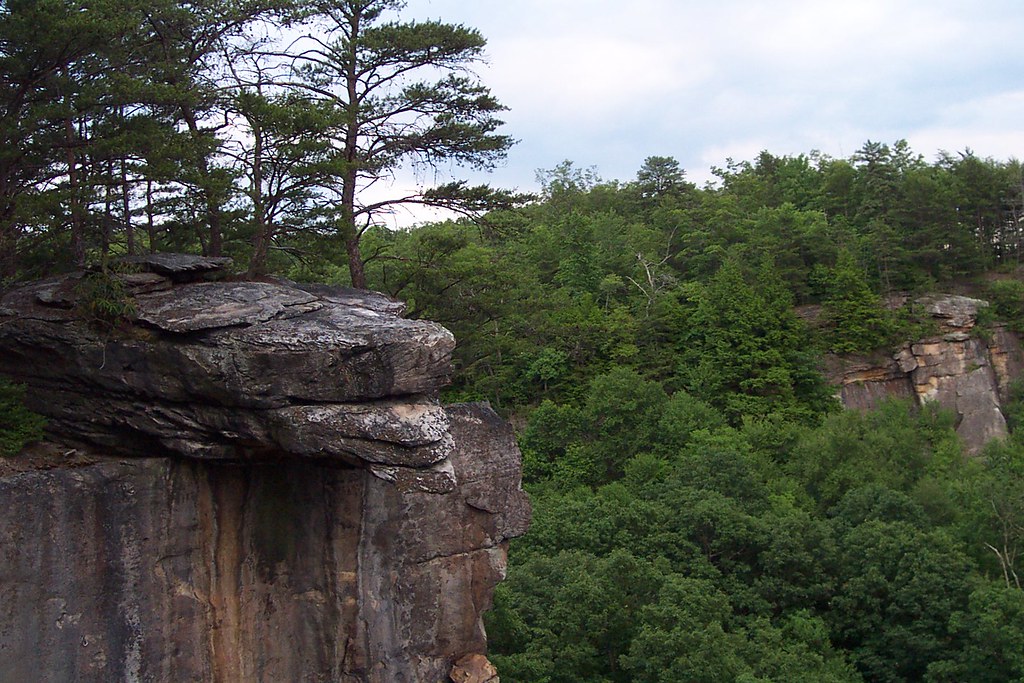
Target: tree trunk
(126, 208)
(349, 231)
(263, 235)
(8, 229)
(108, 211)
(214, 245)
(355, 262)
(150, 221)
(77, 224)
(8, 252)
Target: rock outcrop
(246, 481)
(960, 370)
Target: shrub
(1007, 298)
(18, 425)
(103, 300)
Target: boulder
(953, 311)
(474, 669)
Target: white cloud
(608, 83)
(989, 126)
(584, 79)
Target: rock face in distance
(958, 369)
(246, 482)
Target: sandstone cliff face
(249, 482)
(960, 370)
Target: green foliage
(569, 617)
(659, 177)
(549, 366)
(688, 636)
(620, 416)
(103, 301)
(675, 421)
(898, 587)
(18, 425)
(894, 446)
(685, 638)
(622, 411)
(992, 628)
(1007, 300)
(842, 552)
(992, 497)
(1013, 409)
(683, 417)
(858, 321)
(748, 354)
(401, 93)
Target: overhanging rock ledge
(245, 481)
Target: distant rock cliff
(961, 370)
(247, 481)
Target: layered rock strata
(246, 481)
(959, 369)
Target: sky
(606, 84)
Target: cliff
(246, 481)
(962, 370)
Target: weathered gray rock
(906, 360)
(954, 371)
(145, 283)
(247, 482)
(211, 305)
(865, 381)
(1007, 358)
(357, 298)
(236, 370)
(181, 267)
(953, 311)
(440, 545)
(167, 569)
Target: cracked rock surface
(246, 481)
(233, 370)
(964, 372)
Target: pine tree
(404, 94)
